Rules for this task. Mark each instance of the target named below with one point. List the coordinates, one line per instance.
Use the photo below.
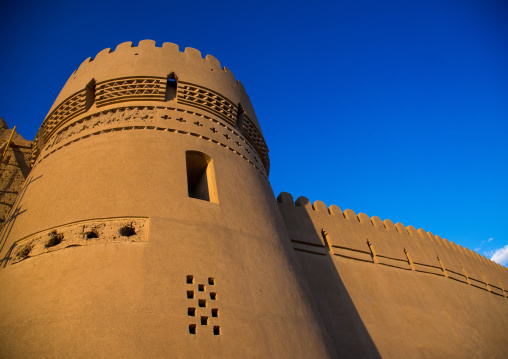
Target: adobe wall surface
(98, 252)
(406, 292)
(14, 169)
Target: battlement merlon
(149, 60)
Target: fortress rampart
(397, 272)
(146, 227)
(316, 229)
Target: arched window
(171, 87)
(89, 95)
(201, 177)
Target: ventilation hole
(201, 287)
(204, 320)
(191, 312)
(127, 231)
(211, 281)
(215, 312)
(55, 239)
(24, 252)
(216, 330)
(213, 296)
(190, 294)
(190, 279)
(92, 234)
(202, 302)
(192, 328)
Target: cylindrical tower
(147, 226)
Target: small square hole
(201, 287)
(192, 328)
(211, 281)
(216, 330)
(213, 296)
(190, 279)
(192, 312)
(204, 320)
(202, 303)
(190, 294)
(215, 312)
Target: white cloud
(500, 255)
(488, 240)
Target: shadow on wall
(21, 162)
(343, 323)
(13, 215)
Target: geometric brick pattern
(149, 89)
(202, 310)
(256, 139)
(211, 101)
(130, 89)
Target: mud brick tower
(140, 223)
(149, 222)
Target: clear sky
(397, 109)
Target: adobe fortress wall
(403, 283)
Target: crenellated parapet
(329, 231)
(139, 75)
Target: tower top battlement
(147, 59)
(152, 76)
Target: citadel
(140, 223)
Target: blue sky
(392, 108)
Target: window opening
(240, 117)
(171, 87)
(201, 177)
(89, 95)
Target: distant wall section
(394, 281)
(13, 170)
